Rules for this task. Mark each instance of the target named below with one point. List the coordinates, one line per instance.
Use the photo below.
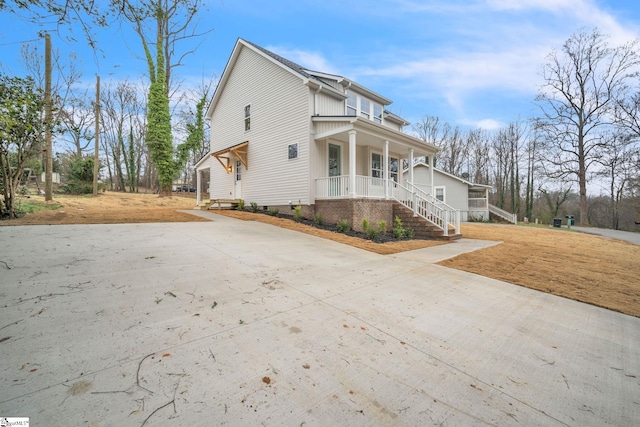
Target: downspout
(315, 100)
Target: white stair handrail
(511, 217)
(428, 207)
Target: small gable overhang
(238, 151)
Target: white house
(283, 135)
(472, 200)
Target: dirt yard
(586, 268)
(110, 208)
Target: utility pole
(48, 165)
(96, 157)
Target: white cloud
(549, 5)
(488, 124)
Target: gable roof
(315, 79)
(464, 181)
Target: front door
(335, 170)
(238, 178)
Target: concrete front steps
(422, 229)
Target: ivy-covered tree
(21, 132)
(163, 23)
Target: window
(293, 151)
(393, 168)
(238, 170)
(247, 117)
(439, 193)
(352, 104)
(376, 165)
(365, 107)
(377, 113)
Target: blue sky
(471, 63)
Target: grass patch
(29, 206)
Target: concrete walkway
(612, 234)
(242, 323)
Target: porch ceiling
(370, 133)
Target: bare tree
(531, 152)
(123, 132)
(581, 86)
(617, 161)
(77, 120)
(428, 129)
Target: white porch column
(387, 171)
(198, 186)
(413, 192)
(432, 165)
(352, 164)
(411, 166)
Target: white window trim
(244, 112)
(358, 108)
(444, 192)
(397, 173)
(344, 161)
(370, 166)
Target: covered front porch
(361, 158)
(361, 161)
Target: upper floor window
(358, 105)
(365, 108)
(247, 117)
(377, 113)
(352, 104)
(439, 193)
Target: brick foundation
(355, 210)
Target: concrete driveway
(242, 323)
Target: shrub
(273, 211)
(408, 233)
(400, 231)
(372, 233)
(240, 205)
(343, 226)
(253, 207)
(77, 187)
(318, 219)
(297, 213)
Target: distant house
(472, 200)
(283, 135)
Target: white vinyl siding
(328, 105)
(456, 192)
(279, 117)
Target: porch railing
(419, 201)
(337, 187)
(511, 217)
